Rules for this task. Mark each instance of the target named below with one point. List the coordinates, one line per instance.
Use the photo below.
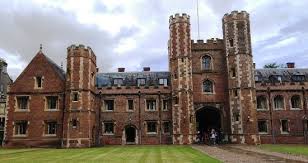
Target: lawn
(287, 148)
(121, 154)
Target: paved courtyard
(250, 154)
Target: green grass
(119, 154)
(287, 148)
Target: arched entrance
(208, 118)
(130, 135)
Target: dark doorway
(130, 133)
(208, 118)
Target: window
(261, 103)
(38, 82)
(51, 128)
(176, 100)
(151, 127)
(284, 126)
(278, 102)
(109, 105)
(151, 105)
(21, 127)
(52, 102)
(130, 105)
(175, 74)
(165, 105)
(74, 123)
(236, 116)
(1, 88)
(275, 78)
(206, 62)
(235, 93)
(296, 102)
(75, 96)
(22, 102)
(141, 81)
(231, 42)
(166, 127)
(163, 82)
(257, 79)
(208, 86)
(233, 73)
(262, 126)
(118, 82)
(108, 127)
(298, 78)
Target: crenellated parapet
(236, 15)
(177, 18)
(81, 50)
(210, 44)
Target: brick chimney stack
(146, 69)
(291, 65)
(121, 69)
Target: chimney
(291, 65)
(146, 68)
(121, 69)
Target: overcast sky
(134, 33)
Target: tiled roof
(130, 78)
(286, 74)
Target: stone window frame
(17, 109)
(202, 62)
(104, 106)
(15, 125)
(281, 129)
(146, 104)
(267, 125)
(73, 96)
(283, 100)
(36, 82)
(163, 127)
(165, 82)
(46, 122)
(156, 125)
(213, 87)
(266, 101)
(127, 105)
(104, 127)
(300, 102)
(46, 103)
(164, 103)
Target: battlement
(82, 48)
(236, 15)
(208, 41)
(213, 43)
(178, 18)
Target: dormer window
(38, 82)
(141, 81)
(163, 82)
(118, 82)
(275, 78)
(298, 78)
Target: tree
(273, 65)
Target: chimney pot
(146, 69)
(291, 65)
(121, 69)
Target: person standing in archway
(213, 136)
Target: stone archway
(208, 118)
(130, 135)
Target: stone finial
(41, 47)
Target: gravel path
(251, 154)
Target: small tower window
(206, 62)
(75, 96)
(231, 42)
(74, 123)
(233, 72)
(235, 93)
(208, 86)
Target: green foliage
(274, 65)
(164, 153)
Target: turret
(180, 67)
(80, 88)
(241, 84)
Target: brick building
(210, 84)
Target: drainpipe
(140, 130)
(271, 115)
(305, 120)
(159, 115)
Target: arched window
(296, 101)
(278, 102)
(206, 62)
(261, 103)
(208, 86)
